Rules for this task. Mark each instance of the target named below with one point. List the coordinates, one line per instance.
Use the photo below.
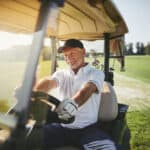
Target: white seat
(108, 109)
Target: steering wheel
(52, 103)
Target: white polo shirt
(69, 83)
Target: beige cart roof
(77, 19)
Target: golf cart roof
(81, 19)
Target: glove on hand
(67, 109)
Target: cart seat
(108, 109)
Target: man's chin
(74, 67)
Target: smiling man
(80, 89)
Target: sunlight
(10, 39)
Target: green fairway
(44, 69)
(137, 67)
(132, 87)
(139, 125)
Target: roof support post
(22, 106)
(53, 54)
(106, 55)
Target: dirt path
(133, 92)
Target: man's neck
(77, 69)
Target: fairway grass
(137, 67)
(139, 125)
(136, 95)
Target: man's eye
(65, 56)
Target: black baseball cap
(71, 43)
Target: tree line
(141, 49)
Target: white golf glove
(67, 109)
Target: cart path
(133, 92)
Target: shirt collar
(83, 69)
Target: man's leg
(95, 139)
(54, 135)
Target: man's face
(74, 57)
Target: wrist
(74, 103)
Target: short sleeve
(97, 78)
(58, 76)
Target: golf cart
(21, 124)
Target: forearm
(45, 85)
(82, 96)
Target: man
(80, 88)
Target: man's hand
(67, 109)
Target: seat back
(108, 109)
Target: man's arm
(68, 107)
(45, 85)
(82, 96)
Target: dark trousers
(88, 138)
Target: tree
(138, 47)
(142, 48)
(130, 48)
(93, 53)
(46, 53)
(147, 48)
(95, 61)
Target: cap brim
(62, 48)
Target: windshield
(14, 55)
(19, 56)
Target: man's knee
(100, 145)
(52, 130)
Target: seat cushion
(108, 107)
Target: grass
(138, 118)
(44, 69)
(45, 66)
(139, 125)
(4, 106)
(137, 67)
(11, 76)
